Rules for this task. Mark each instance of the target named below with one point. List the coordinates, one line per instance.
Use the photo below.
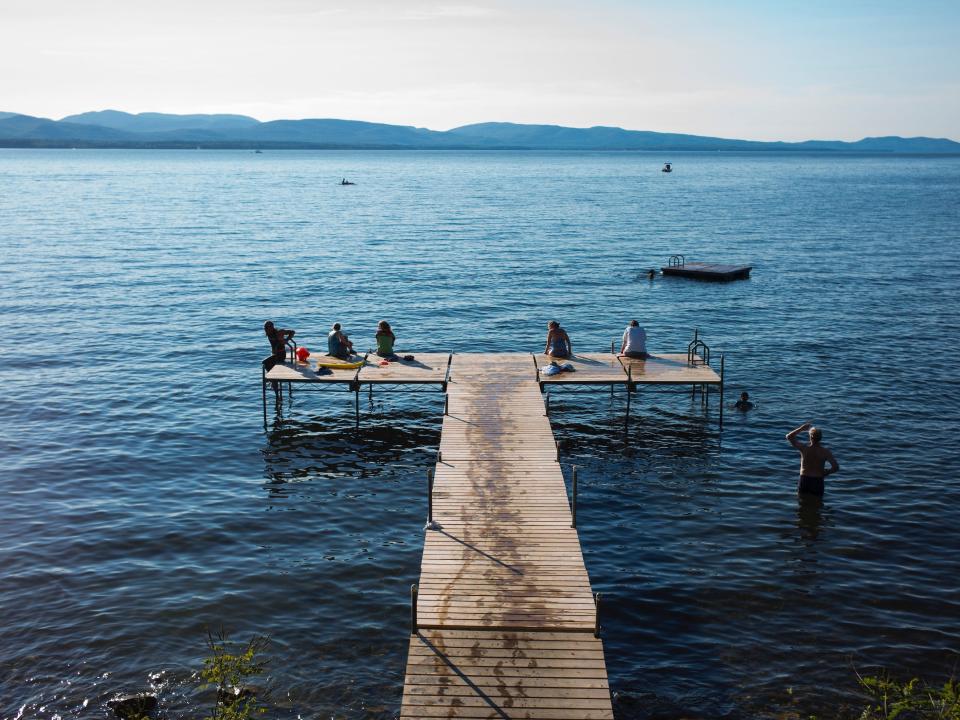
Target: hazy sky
(838, 69)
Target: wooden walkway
(505, 612)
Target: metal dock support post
(413, 609)
(547, 405)
(573, 507)
(629, 389)
(721, 390)
(263, 378)
(596, 617)
(611, 352)
(430, 499)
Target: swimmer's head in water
(815, 435)
(744, 396)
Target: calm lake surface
(141, 499)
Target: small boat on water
(667, 167)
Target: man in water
(813, 458)
(743, 404)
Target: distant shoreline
(108, 129)
(251, 146)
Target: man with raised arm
(813, 459)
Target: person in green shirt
(385, 340)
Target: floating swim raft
(678, 266)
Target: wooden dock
(505, 616)
(504, 622)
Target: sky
(762, 70)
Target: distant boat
(667, 167)
(258, 152)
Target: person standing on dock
(278, 340)
(558, 342)
(634, 343)
(813, 460)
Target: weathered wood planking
(505, 610)
(590, 369)
(670, 369)
(610, 369)
(306, 372)
(501, 674)
(424, 368)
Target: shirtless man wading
(813, 457)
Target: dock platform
(607, 369)
(679, 267)
(425, 368)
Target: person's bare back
(813, 460)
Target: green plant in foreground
(910, 700)
(229, 669)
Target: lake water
(141, 499)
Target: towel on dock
(554, 369)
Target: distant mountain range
(115, 129)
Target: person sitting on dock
(634, 343)
(278, 340)
(558, 342)
(385, 340)
(813, 458)
(338, 345)
(743, 404)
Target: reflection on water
(810, 514)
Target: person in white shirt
(634, 343)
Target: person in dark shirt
(278, 340)
(743, 404)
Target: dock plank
(590, 369)
(424, 368)
(669, 369)
(502, 674)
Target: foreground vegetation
(910, 700)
